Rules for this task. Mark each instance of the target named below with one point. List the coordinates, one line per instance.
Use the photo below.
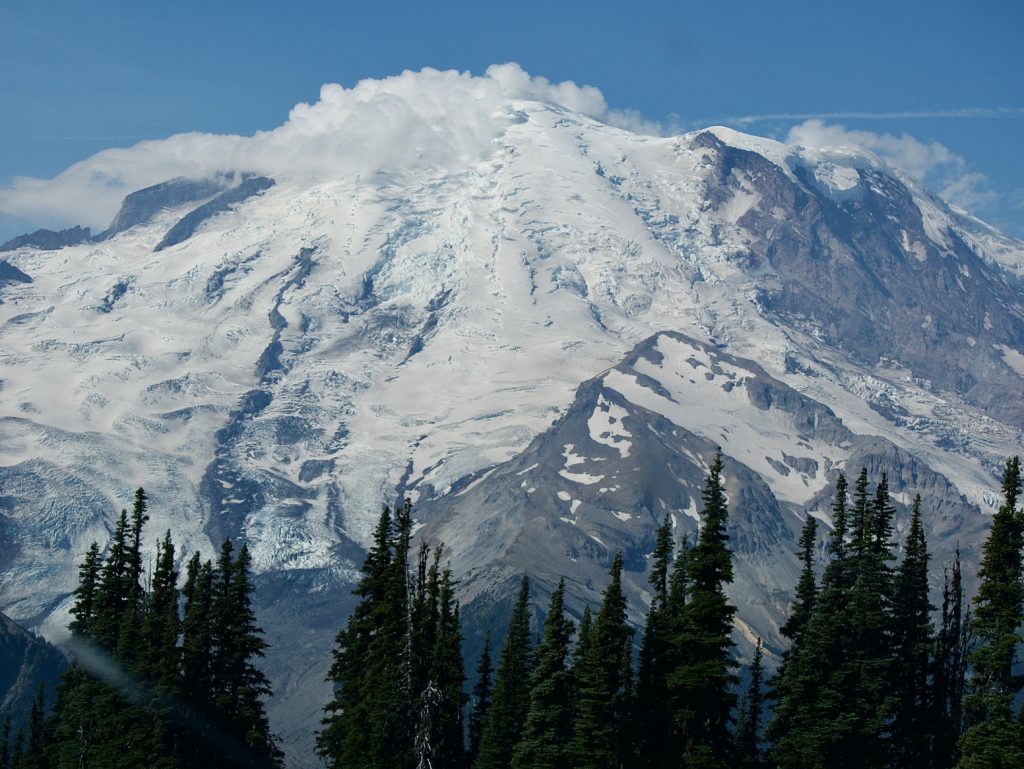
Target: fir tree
(503, 726)
(34, 756)
(115, 590)
(547, 732)
(439, 734)
(748, 725)
(862, 678)
(911, 727)
(197, 633)
(85, 593)
(652, 724)
(162, 624)
(700, 686)
(993, 736)
(346, 741)
(5, 743)
(239, 687)
(604, 684)
(481, 701)
(950, 670)
(806, 586)
(807, 719)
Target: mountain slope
(574, 302)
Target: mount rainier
(480, 293)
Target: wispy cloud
(413, 120)
(982, 113)
(932, 162)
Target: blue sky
(936, 85)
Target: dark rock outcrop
(49, 240)
(25, 662)
(144, 204)
(11, 274)
(226, 200)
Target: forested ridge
(875, 676)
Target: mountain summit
(536, 324)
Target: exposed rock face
(225, 201)
(861, 271)
(48, 240)
(143, 205)
(11, 274)
(543, 347)
(26, 661)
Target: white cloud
(415, 119)
(932, 162)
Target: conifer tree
(115, 590)
(5, 742)
(439, 734)
(162, 624)
(994, 737)
(810, 701)
(239, 686)
(481, 701)
(748, 724)
(510, 702)
(85, 593)
(34, 756)
(700, 686)
(949, 672)
(347, 740)
(806, 586)
(197, 633)
(652, 724)
(910, 732)
(547, 732)
(604, 684)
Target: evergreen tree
(239, 687)
(547, 732)
(347, 740)
(806, 586)
(19, 750)
(439, 734)
(197, 633)
(34, 756)
(481, 701)
(950, 670)
(912, 727)
(5, 743)
(862, 678)
(700, 685)
(85, 593)
(807, 722)
(162, 624)
(115, 590)
(604, 684)
(748, 725)
(993, 736)
(652, 724)
(503, 726)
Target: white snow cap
(412, 120)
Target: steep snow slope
(337, 340)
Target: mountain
(542, 342)
(26, 661)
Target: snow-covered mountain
(541, 339)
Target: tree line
(874, 675)
(160, 677)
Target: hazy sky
(936, 86)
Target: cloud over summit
(418, 119)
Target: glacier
(536, 324)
